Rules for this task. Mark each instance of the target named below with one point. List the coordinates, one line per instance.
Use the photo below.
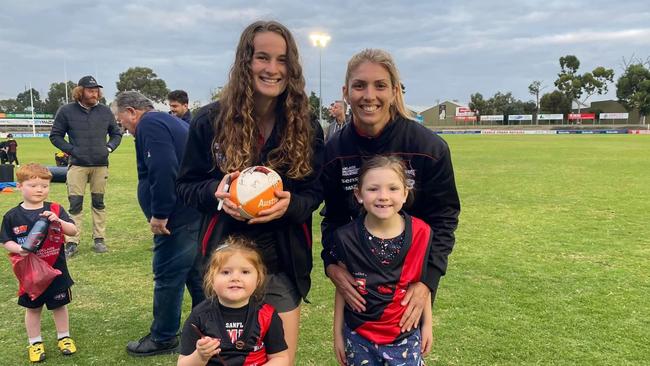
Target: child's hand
(427, 340)
(22, 252)
(51, 216)
(208, 347)
(339, 349)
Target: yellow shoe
(67, 346)
(36, 352)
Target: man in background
(337, 111)
(12, 150)
(179, 105)
(87, 123)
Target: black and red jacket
(383, 286)
(262, 334)
(198, 180)
(429, 173)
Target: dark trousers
(174, 261)
(12, 157)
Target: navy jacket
(159, 144)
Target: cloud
(640, 36)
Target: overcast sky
(445, 50)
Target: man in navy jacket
(159, 144)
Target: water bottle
(36, 235)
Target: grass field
(550, 265)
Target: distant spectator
(337, 111)
(87, 123)
(3, 152)
(179, 105)
(12, 146)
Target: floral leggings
(360, 351)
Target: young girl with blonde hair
(232, 327)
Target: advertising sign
(492, 117)
(464, 112)
(520, 117)
(549, 117)
(574, 116)
(614, 115)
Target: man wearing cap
(87, 123)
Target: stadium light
(320, 40)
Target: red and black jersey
(246, 345)
(383, 286)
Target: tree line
(632, 90)
(142, 79)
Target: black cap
(88, 82)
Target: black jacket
(87, 130)
(198, 180)
(429, 172)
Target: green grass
(550, 265)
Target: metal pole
(320, 85)
(31, 100)
(65, 81)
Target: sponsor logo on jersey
(20, 229)
(385, 289)
(361, 285)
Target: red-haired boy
(34, 184)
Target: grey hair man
(159, 146)
(87, 123)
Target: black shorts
(53, 299)
(281, 293)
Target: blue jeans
(174, 259)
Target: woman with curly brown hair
(262, 118)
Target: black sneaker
(146, 346)
(70, 249)
(100, 246)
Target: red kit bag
(34, 274)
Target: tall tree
(145, 81)
(10, 106)
(56, 96)
(479, 105)
(633, 89)
(215, 94)
(555, 102)
(24, 99)
(314, 103)
(574, 85)
(501, 103)
(534, 89)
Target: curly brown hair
(235, 145)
